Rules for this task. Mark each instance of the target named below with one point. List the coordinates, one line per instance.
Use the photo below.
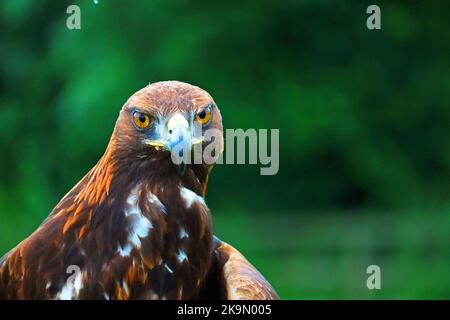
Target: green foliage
(364, 116)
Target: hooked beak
(178, 139)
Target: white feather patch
(183, 234)
(71, 290)
(181, 256)
(190, 197)
(140, 225)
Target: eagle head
(136, 225)
(167, 127)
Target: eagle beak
(178, 139)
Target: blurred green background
(364, 119)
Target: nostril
(181, 153)
(170, 131)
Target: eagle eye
(141, 120)
(204, 115)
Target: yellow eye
(141, 120)
(203, 116)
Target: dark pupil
(202, 114)
(141, 118)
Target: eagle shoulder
(236, 278)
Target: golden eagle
(137, 226)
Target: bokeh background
(364, 119)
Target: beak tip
(182, 168)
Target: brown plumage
(136, 226)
